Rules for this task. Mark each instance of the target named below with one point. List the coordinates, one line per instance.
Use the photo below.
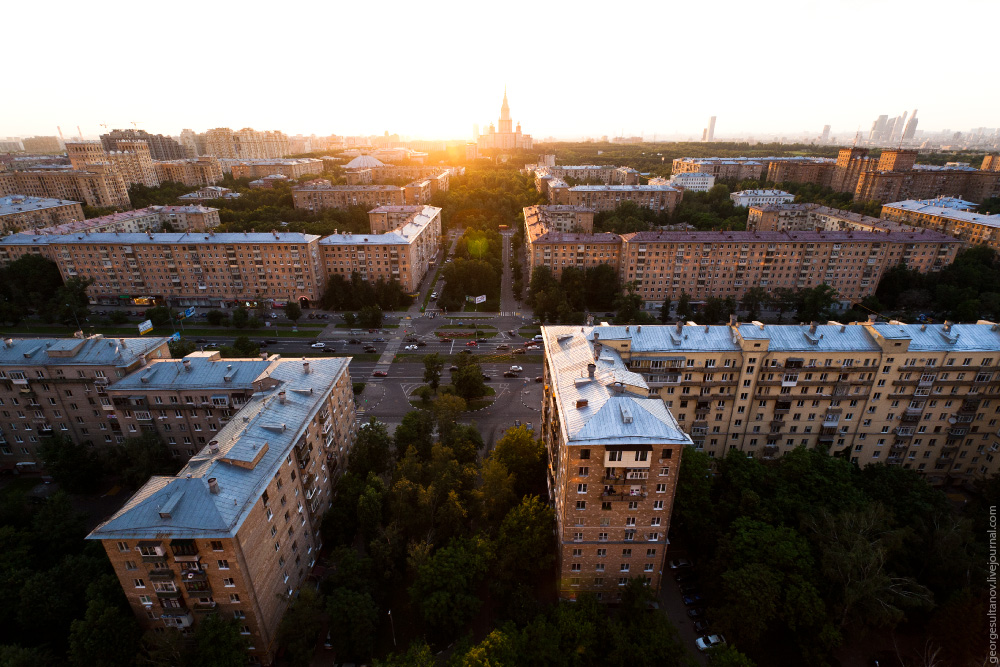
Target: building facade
(404, 243)
(245, 144)
(973, 228)
(99, 185)
(201, 542)
(747, 198)
(319, 197)
(192, 172)
(41, 144)
(150, 219)
(592, 174)
(614, 452)
(659, 198)
(695, 181)
(292, 168)
(59, 386)
(502, 136)
(182, 269)
(924, 397)
(131, 160)
(22, 212)
(160, 147)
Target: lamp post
(393, 625)
(73, 310)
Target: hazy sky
(432, 69)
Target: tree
(415, 430)
(216, 317)
(418, 654)
(445, 588)
(105, 637)
(665, 311)
(813, 304)
(354, 617)
(217, 643)
(181, 348)
(525, 546)
(160, 316)
(753, 300)
(242, 348)
(496, 493)
(139, 458)
(293, 311)
(684, 306)
(370, 507)
(433, 365)
(524, 457)
(118, 317)
(447, 409)
(371, 450)
(727, 656)
(300, 627)
(468, 381)
(240, 317)
(371, 317)
(74, 466)
(783, 299)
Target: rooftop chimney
(305, 366)
(187, 364)
(281, 396)
(213, 447)
(812, 327)
(680, 327)
(946, 326)
(591, 369)
(213, 485)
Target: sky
(433, 69)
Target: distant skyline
(432, 71)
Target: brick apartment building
(99, 185)
(659, 198)
(614, 457)
(245, 144)
(23, 212)
(131, 160)
(236, 531)
(403, 245)
(59, 385)
(319, 197)
(937, 214)
(292, 168)
(192, 172)
(925, 397)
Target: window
(581, 488)
(661, 488)
(139, 583)
(581, 504)
(601, 553)
(223, 564)
(583, 471)
(229, 583)
(615, 456)
(234, 597)
(650, 553)
(130, 565)
(625, 567)
(584, 453)
(602, 537)
(216, 545)
(146, 600)
(657, 504)
(655, 521)
(664, 472)
(239, 614)
(123, 546)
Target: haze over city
(783, 68)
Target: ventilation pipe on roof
(680, 327)
(213, 447)
(213, 485)
(946, 326)
(591, 369)
(281, 396)
(812, 327)
(187, 364)
(305, 367)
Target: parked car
(262, 343)
(201, 340)
(453, 368)
(211, 346)
(691, 600)
(434, 295)
(487, 378)
(516, 369)
(678, 563)
(421, 343)
(274, 316)
(320, 346)
(686, 577)
(701, 625)
(311, 316)
(697, 612)
(380, 374)
(411, 339)
(709, 641)
(480, 340)
(510, 332)
(378, 339)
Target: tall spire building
(503, 136)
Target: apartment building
(267, 183)
(695, 181)
(921, 396)
(186, 401)
(417, 192)
(942, 215)
(659, 198)
(59, 385)
(182, 269)
(546, 243)
(245, 144)
(209, 192)
(41, 144)
(149, 219)
(991, 163)
(747, 198)
(292, 168)
(192, 172)
(237, 530)
(614, 451)
(24, 212)
(736, 169)
(160, 147)
(404, 242)
(813, 217)
(131, 160)
(726, 264)
(98, 185)
(319, 197)
(592, 174)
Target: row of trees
(486, 197)
(964, 291)
(475, 271)
(806, 553)
(33, 284)
(576, 290)
(355, 293)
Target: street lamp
(391, 623)
(73, 310)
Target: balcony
(174, 594)
(622, 496)
(957, 432)
(830, 422)
(161, 574)
(204, 607)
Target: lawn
(474, 404)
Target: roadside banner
(481, 299)
(189, 312)
(175, 337)
(145, 327)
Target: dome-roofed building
(364, 162)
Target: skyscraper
(711, 129)
(504, 136)
(911, 127)
(825, 137)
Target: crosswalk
(509, 313)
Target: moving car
(410, 347)
(321, 346)
(354, 341)
(503, 346)
(370, 349)
(510, 374)
(472, 343)
(453, 368)
(539, 378)
(421, 343)
(434, 295)
(380, 374)
(378, 339)
(709, 641)
(411, 339)
(516, 369)
(201, 340)
(519, 351)
(445, 339)
(480, 340)
(487, 378)
(271, 341)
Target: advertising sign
(189, 312)
(481, 299)
(145, 327)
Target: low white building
(692, 180)
(757, 197)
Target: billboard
(481, 299)
(145, 327)
(189, 312)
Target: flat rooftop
(91, 351)
(138, 238)
(15, 204)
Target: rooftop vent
(305, 366)
(281, 397)
(187, 364)
(213, 485)
(581, 403)
(626, 414)
(213, 447)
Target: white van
(538, 338)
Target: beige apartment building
(245, 144)
(991, 163)
(920, 396)
(591, 174)
(659, 198)
(132, 160)
(559, 236)
(41, 144)
(98, 185)
(59, 385)
(404, 243)
(726, 264)
(614, 451)
(292, 168)
(736, 169)
(561, 218)
(182, 269)
(150, 219)
(319, 197)
(813, 217)
(24, 212)
(192, 172)
(236, 532)
(973, 228)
